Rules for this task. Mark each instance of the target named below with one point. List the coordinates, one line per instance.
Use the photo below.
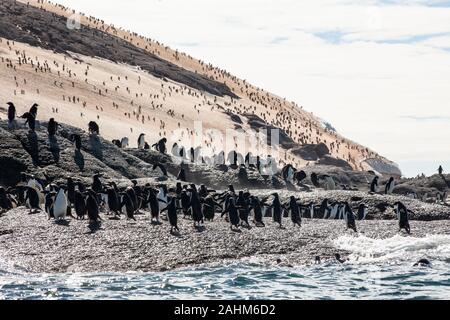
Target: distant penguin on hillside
(299, 176)
(141, 141)
(389, 186)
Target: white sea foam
(396, 249)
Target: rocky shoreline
(37, 245)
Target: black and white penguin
(117, 143)
(34, 110)
(172, 214)
(162, 197)
(124, 142)
(153, 204)
(93, 128)
(362, 211)
(11, 113)
(277, 209)
(389, 186)
(257, 208)
(114, 204)
(349, 217)
(141, 141)
(209, 207)
(30, 120)
(97, 185)
(61, 206)
(294, 208)
(402, 216)
(185, 203)
(92, 207)
(52, 127)
(243, 209)
(232, 158)
(128, 202)
(195, 207)
(32, 199)
(324, 209)
(161, 145)
(49, 204)
(374, 185)
(79, 205)
(233, 214)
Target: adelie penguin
(233, 214)
(277, 209)
(294, 208)
(30, 120)
(52, 127)
(93, 128)
(129, 205)
(141, 141)
(172, 214)
(32, 199)
(243, 209)
(11, 115)
(362, 211)
(374, 185)
(92, 207)
(349, 217)
(79, 205)
(402, 216)
(161, 145)
(209, 207)
(61, 207)
(257, 211)
(389, 186)
(114, 204)
(34, 110)
(196, 208)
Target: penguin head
(10, 104)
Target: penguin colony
(241, 209)
(301, 126)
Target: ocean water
(377, 269)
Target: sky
(378, 71)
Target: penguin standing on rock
(93, 128)
(30, 120)
(141, 141)
(34, 110)
(362, 212)
(389, 186)
(52, 127)
(11, 115)
(32, 199)
(129, 205)
(374, 185)
(49, 204)
(233, 214)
